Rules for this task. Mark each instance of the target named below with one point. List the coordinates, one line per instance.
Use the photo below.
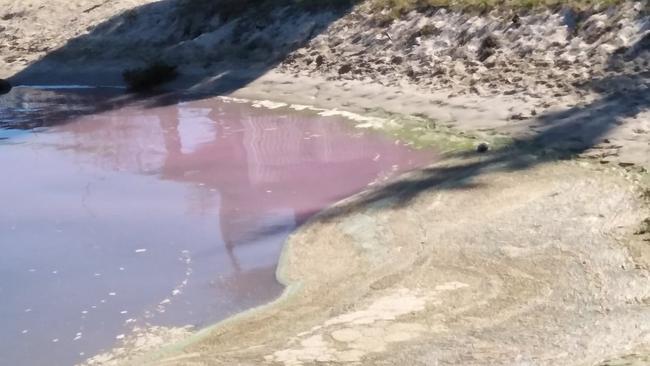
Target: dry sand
(509, 258)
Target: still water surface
(169, 215)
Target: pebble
(483, 147)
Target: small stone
(345, 69)
(319, 60)
(478, 90)
(487, 48)
(459, 68)
(517, 117)
(483, 147)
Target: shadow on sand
(221, 45)
(559, 136)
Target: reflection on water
(168, 216)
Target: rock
(490, 61)
(478, 90)
(344, 69)
(459, 68)
(5, 87)
(517, 117)
(641, 46)
(319, 60)
(483, 147)
(426, 31)
(516, 21)
(396, 60)
(570, 19)
(487, 48)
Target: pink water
(167, 216)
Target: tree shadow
(221, 45)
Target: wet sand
(512, 267)
(166, 216)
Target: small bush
(149, 77)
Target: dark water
(171, 215)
